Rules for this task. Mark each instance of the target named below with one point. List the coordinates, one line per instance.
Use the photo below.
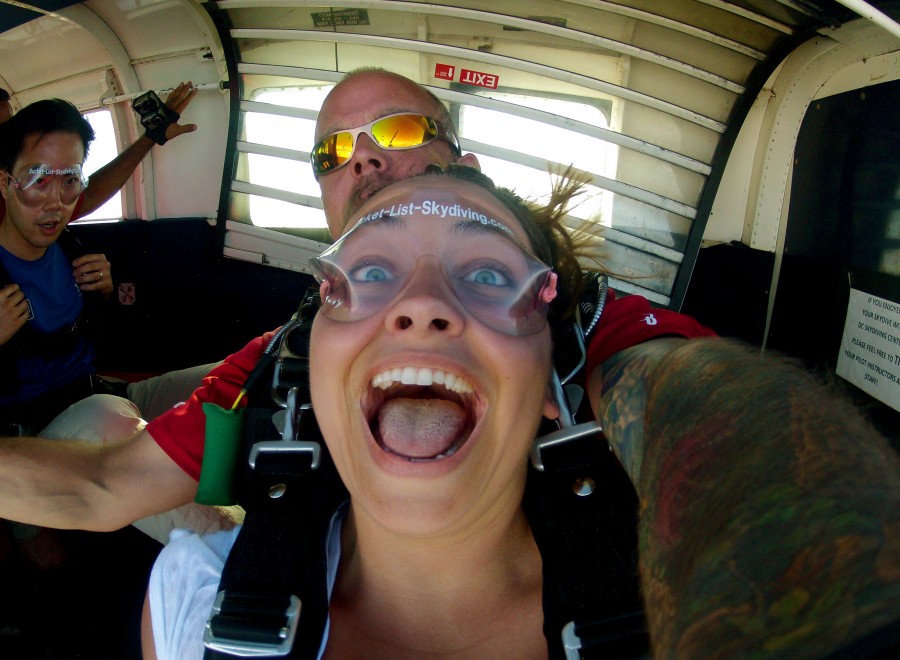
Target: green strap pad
(220, 453)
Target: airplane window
(284, 173)
(103, 149)
(551, 143)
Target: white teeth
(423, 377)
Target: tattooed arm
(770, 510)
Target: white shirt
(185, 580)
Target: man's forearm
(770, 510)
(111, 177)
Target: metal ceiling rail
(605, 134)
(276, 193)
(602, 182)
(281, 110)
(288, 71)
(630, 240)
(486, 58)
(628, 286)
(276, 152)
(671, 24)
(530, 25)
(732, 8)
(488, 103)
(869, 12)
(164, 90)
(512, 156)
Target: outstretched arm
(108, 179)
(71, 484)
(770, 510)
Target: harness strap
(274, 583)
(583, 510)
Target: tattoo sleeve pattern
(770, 510)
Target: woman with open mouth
(430, 364)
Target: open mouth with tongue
(421, 414)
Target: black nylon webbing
(281, 550)
(588, 546)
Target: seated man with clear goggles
(35, 185)
(492, 275)
(403, 130)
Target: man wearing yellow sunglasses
(375, 128)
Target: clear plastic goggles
(491, 275)
(40, 180)
(399, 131)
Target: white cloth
(184, 582)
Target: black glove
(155, 116)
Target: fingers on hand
(180, 97)
(12, 295)
(92, 261)
(14, 303)
(97, 273)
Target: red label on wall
(444, 71)
(477, 78)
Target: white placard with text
(870, 347)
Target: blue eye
(371, 273)
(487, 276)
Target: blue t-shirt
(56, 303)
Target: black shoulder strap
(274, 584)
(93, 300)
(582, 510)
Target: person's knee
(98, 418)
(154, 396)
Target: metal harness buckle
(259, 647)
(559, 437)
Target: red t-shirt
(629, 321)
(180, 432)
